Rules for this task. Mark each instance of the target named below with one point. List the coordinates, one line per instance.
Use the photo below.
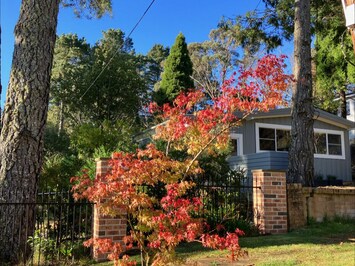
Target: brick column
(269, 201)
(105, 226)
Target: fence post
(104, 226)
(269, 201)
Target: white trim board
(239, 138)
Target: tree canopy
(90, 94)
(334, 60)
(177, 73)
(216, 59)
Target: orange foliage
(195, 125)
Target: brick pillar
(105, 226)
(269, 201)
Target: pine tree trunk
(342, 94)
(301, 154)
(25, 112)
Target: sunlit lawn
(331, 243)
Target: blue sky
(165, 19)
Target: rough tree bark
(301, 154)
(0, 81)
(25, 112)
(342, 94)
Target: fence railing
(227, 200)
(61, 226)
(228, 203)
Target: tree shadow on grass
(326, 233)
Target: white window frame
(316, 130)
(239, 139)
(271, 126)
(330, 156)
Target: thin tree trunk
(25, 112)
(301, 154)
(61, 118)
(343, 102)
(352, 31)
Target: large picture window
(273, 139)
(327, 143)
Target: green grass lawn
(330, 243)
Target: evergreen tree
(76, 65)
(177, 73)
(150, 66)
(155, 58)
(335, 67)
(120, 91)
(71, 61)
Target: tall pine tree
(301, 153)
(177, 73)
(24, 119)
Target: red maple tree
(197, 126)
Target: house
(350, 111)
(262, 142)
(350, 106)
(350, 115)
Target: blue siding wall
(264, 160)
(279, 161)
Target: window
(272, 138)
(237, 144)
(320, 143)
(283, 138)
(267, 139)
(327, 143)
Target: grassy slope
(320, 244)
(330, 243)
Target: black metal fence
(62, 223)
(227, 201)
(61, 226)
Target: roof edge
(318, 115)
